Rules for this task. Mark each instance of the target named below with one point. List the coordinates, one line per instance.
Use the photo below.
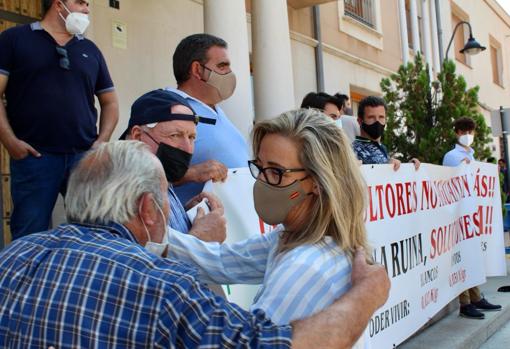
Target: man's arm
(204, 171)
(416, 163)
(210, 227)
(395, 163)
(342, 323)
(212, 201)
(17, 148)
(109, 116)
(217, 323)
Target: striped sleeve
(305, 280)
(242, 262)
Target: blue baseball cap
(156, 106)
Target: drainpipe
(439, 35)
(319, 61)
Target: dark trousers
(35, 185)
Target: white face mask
(338, 122)
(76, 22)
(158, 248)
(466, 140)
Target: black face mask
(174, 160)
(374, 130)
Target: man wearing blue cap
(166, 123)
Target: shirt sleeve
(7, 54)
(241, 262)
(104, 82)
(385, 152)
(299, 286)
(356, 150)
(450, 160)
(191, 317)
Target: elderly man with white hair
(100, 281)
(166, 123)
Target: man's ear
(135, 133)
(147, 210)
(58, 6)
(196, 70)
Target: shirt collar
(114, 228)
(37, 26)
(460, 148)
(185, 95)
(366, 140)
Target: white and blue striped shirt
(295, 284)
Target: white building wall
(154, 28)
(343, 76)
(303, 63)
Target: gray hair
(109, 182)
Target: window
(361, 19)
(355, 99)
(361, 10)
(459, 39)
(496, 62)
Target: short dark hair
(46, 5)
(341, 100)
(370, 101)
(193, 48)
(317, 100)
(464, 124)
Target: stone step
(455, 332)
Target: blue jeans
(35, 185)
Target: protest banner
(438, 231)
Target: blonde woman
(307, 181)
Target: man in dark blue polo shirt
(50, 73)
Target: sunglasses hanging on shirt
(64, 62)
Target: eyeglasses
(272, 175)
(64, 62)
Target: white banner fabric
(438, 231)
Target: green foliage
(419, 126)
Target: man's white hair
(109, 181)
